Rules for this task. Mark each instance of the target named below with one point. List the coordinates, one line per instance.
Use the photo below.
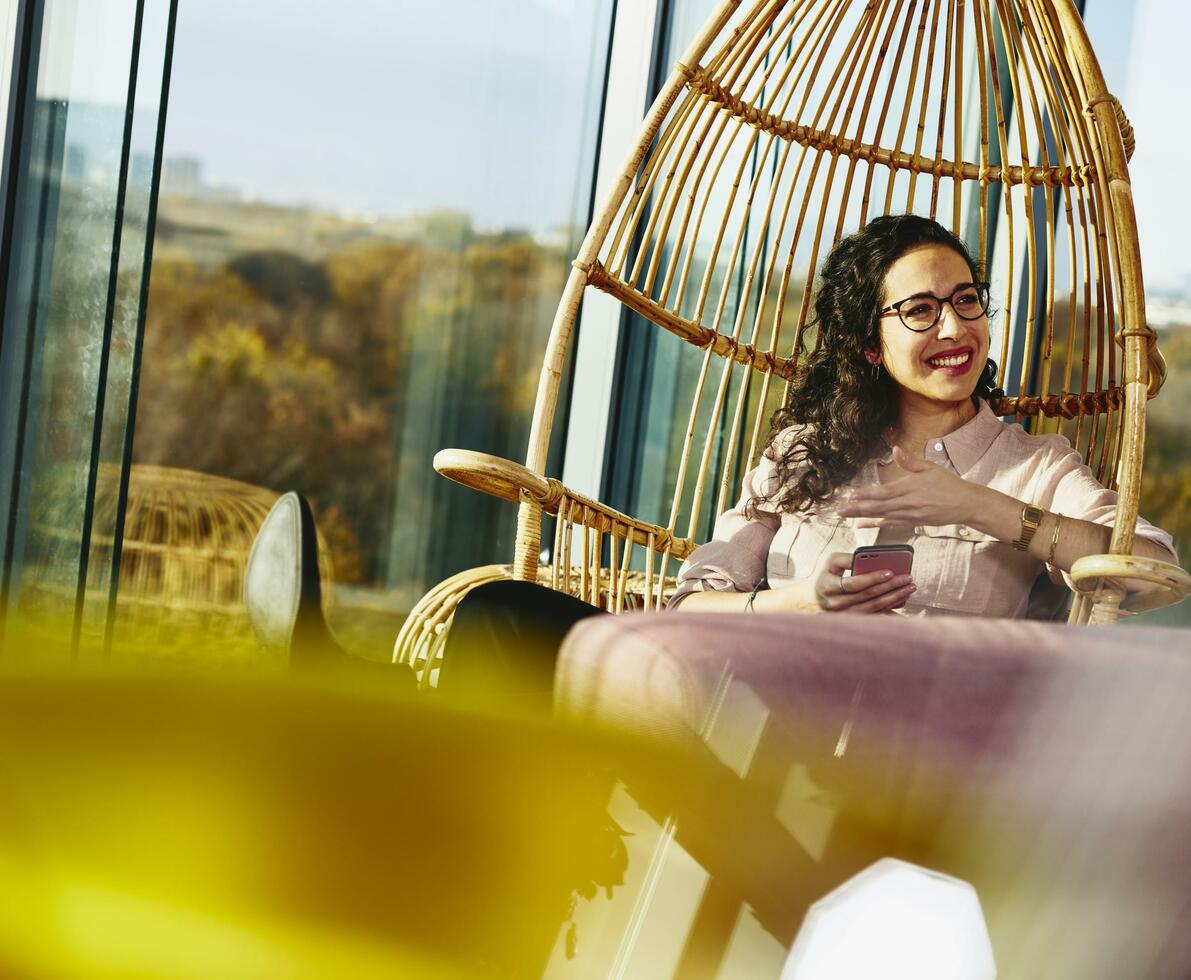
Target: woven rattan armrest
(589, 566)
(1173, 583)
(509, 480)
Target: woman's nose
(948, 325)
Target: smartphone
(896, 558)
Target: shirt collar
(967, 445)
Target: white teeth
(954, 361)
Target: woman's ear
(873, 357)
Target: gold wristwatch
(1031, 517)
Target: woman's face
(941, 364)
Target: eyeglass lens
(922, 312)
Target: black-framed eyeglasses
(922, 312)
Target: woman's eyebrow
(926, 293)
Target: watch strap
(1031, 518)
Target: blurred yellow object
(689, 806)
(155, 827)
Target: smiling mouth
(951, 360)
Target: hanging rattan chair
(786, 124)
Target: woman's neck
(919, 423)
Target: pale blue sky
(399, 106)
(1147, 65)
(392, 107)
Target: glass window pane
(1141, 50)
(367, 217)
(71, 307)
(8, 26)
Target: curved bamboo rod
(772, 138)
(1136, 334)
(511, 481)
(884, 156)
(1173, 583)
(529, 528)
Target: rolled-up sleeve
(735, 558)
(1070, 488)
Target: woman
(890, 439)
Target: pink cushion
(1046, 764)
(965, 679)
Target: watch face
(1033, 515)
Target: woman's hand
(927, 494)
(830, 591)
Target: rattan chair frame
(703, 240)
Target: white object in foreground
(894, 920)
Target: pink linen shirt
(958, 570)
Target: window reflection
(79, 210)
(366, 218)
(1140, 50)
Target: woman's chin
(952, 387)
(945, 396)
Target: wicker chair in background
(785, 125)
(187, 536)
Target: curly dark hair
(846, 410)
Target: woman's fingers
(889, 510)
(835, 593)
(875, 506)
(829, 590)
(857, 598)
(879, 491)
(886, 601)
(881, 581)
(838, 562)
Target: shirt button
(938, 447)
(963, 531)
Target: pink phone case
(896, 558)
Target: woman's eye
(920, 309)
(966, 299)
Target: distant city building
(74, 164)
(182, 176)
(140, 170)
